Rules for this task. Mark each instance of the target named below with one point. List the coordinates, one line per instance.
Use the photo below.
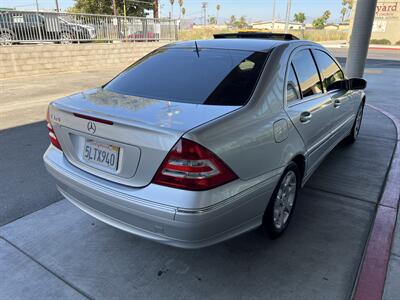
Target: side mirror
(357, 84)
(339, 85)
(348, 84)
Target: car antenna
(197, 49)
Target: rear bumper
(118, 206)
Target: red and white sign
(384, 9)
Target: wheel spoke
(281, 219)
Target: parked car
(32, 26)
(142, 36)
(200, 141)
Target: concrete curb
(371, 47)
(383, 48)
(371, 280)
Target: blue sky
(253, 10)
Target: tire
(355, 130)
(6, 38)
(66, 38)
(280, 210)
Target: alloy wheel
(66, 38)
(5, 39)
(284, 200)
(357, 125)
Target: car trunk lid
(136, 132)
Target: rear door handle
(337, 103)
(305, 116)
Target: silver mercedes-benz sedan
(198, 142)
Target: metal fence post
(145, 31)
(37, 21)
(106, 23)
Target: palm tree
(218, 8)
(172, 8)
(183, 12)
(343, 13)
(180, 2)
(327, 14)
(232, 21)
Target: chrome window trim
(320, 73)
(289, 63)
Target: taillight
(52, 134)
(190, 166)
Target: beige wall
(26, 60)
(386, 22)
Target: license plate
(104, 155)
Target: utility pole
(273, 15)
(57, 6)
(360, 35)
(204, 7)
(288, 7)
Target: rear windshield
(206, 76)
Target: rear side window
(292, 86)
(307, 73)
(209, 76)
(329, 70)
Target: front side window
(307, 73)
(30, 18)
(207, 76)
(330, 71)
(292, 86)
(18, 19)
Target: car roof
(249, 44)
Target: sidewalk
(390, 102)
(40, 90)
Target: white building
(277, 25)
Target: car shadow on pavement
(25, 184)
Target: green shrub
(397, 43)
(380, 42)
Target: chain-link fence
(32, 26)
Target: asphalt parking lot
(50, 249)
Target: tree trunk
(155, 9)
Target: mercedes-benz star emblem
(91, 127)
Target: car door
(343, 102)
(35, 26)
(309, 109)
